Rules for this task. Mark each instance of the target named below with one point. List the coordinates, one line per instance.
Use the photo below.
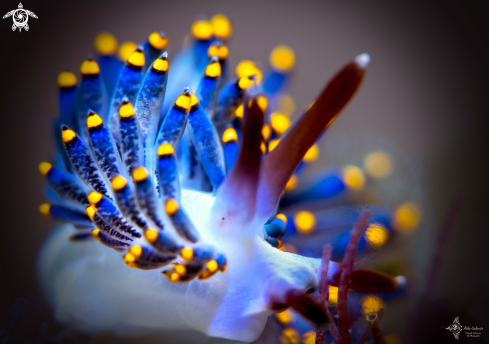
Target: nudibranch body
(180, 188)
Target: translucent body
(92, 289)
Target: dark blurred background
(426, 90)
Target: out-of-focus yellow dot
(265, 132)
(221, 51)
(392, 339)
(158, 40)
(378, 164)
(105, 43)
(371, 304)
(289, 336)
(282, 58)
(221, 26)
(44, 209)
(239, 111)
(377, 235)
(333, 295)
(66, 79)
(280, 123)
(262, 103)
(304, 221)
(285, 317)
(353, 177)
(263, 147)
(407, 217)
(126, 49)
(202, 29)
(309, 337)
(272, 144)
(282, 217)
(286, 104)
(247, 68)
(312, 154)
(44, 168)
(291, 183)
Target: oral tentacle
(279, 165)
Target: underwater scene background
(423, 98)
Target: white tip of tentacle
(401, 281)
(363, 60)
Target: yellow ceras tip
(94, 197)
(44, 209)
(118, 183)
(158, 40)
(187, 253)
(246, 81)
(126, 49)
(66, 79)
(202, 29)
(171, 207)
(137, 58)
(282, 58)
(140, 174)
(136, 251)
(193, 100)
(129, 258)
(95, 233)
(94, 120)
(161, 64)
(44, 168)
(183, 100)
(105, 43)
(213, 69)
(219, 50)
(174, 277)
(221, 26)
(126, 110)
(89, 67)
(248, 68)
(151, 235)
(212, 266)
(165, 149)
(180, 269)
(67, 135)
(90, 212)
(229, 135)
